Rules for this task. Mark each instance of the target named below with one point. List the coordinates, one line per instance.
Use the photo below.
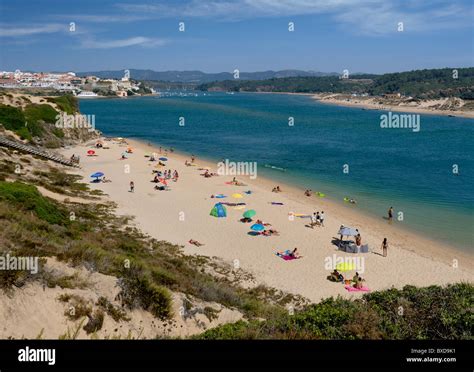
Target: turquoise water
(411, 171)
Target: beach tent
(249, 214)
(218, 211)
(257, 227)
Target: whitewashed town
(82, 87)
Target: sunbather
(195, 242)
(294, 253)
(359, 284)
(336, 276)
(356, 277)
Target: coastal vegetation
(421, 84)
(428, 313)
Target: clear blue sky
(250, 35)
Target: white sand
(441, 106)
(411, 259)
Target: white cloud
(363, 16)
(122, 43)
(32, 30)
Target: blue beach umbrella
(257, 227)
(97, 175)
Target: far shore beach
(183, 213)
(368, 104)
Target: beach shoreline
(354, 103)
(443, 249)
(422, 261)
(333, 99)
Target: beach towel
(286, 256)
(276, 203)
(220, 196)
(352, 289)
(239, 207)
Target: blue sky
(250, 35)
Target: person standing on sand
(390, 214)
(384, 247)
(321, 218)
(132, 186)
(358, 240)
(192, 158)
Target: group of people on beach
(317, 219)
(276, 189)
(357, 281)
(166, 175)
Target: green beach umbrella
(249, 214)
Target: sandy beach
(183, 213)
(429, 107)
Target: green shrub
(66, 103)
(27, 197)
(12, 118)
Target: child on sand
(132, 186)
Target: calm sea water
(411, 171)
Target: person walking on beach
(384, 247)
(314, 220)
(390, 214)
(358, 240)
(132, 186)
(321, 218)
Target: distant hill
(433, 83)
(199, 77)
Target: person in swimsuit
(390, 214)
(384, 247)
(132, 186)
(294, 253)
(358, 240)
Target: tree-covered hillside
(434, 83)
